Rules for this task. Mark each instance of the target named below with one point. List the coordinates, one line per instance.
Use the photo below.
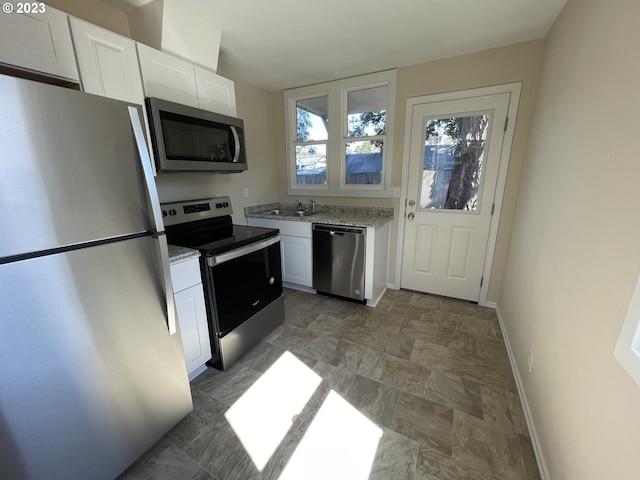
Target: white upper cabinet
(38, 41)
(172, 78)
(215, 93)
(108, 62)
(167, 77)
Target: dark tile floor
(418, 388)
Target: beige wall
(94, 12)
(515, 63)
(573, 258)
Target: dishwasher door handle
(336, 230)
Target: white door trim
(514, 90)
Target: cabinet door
(192, 317)
(167, 77)
(215, 93)
(39, 42)
(296, 260)
(108, 63)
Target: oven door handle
(239, 252)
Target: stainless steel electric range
(241, 274)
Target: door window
(454, 150)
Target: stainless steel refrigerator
(92, 371)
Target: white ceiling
(280, 44)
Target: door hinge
(493, 208)
(481, 281)
(506, 122)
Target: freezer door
(70, 171)
(90, 377)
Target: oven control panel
(175, 213)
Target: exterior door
(455, 150)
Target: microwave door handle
(236, 140)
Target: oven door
(243, 282)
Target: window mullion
(334, 147)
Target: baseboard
(295, 286)
(488, 304)
(537, 448)
(374, 301)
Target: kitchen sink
(292, 213)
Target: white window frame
(627, 350)
(337, 92)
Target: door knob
(411, 216)
(412, 203)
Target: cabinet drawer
(286, 227)
(185, 274)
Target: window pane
(364, 163)
(311, 115)
(453, 158)
(311, 164)
(366, 112)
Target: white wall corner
(145, 24)
(169, 26)
(537, 447)
(188, 33)
(627, 349)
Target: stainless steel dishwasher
(338, 260)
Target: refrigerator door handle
(145, 160)
(168, 286)
(156, 218)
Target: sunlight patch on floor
(263, 415)
(340, 443)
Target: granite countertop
(181, 254)
(328, 214)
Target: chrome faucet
(299, 205)
(313, 205)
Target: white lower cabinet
(295, 247)
(192, 315)
(296, 260)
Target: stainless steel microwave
(190, 140)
